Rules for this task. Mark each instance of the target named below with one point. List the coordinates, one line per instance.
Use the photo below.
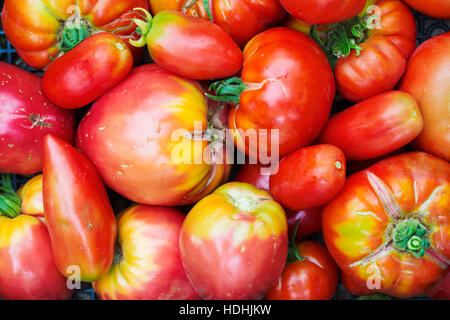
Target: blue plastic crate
(426, 28)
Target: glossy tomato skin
(310, 219)
(360, 224)
(84, 73)
(149, 266)
(35, 27)
(383, 58)
(323, 11)
(427, 79)
(233, 243)
(130, 134)
(309, 177)
(441, 290)
(27, 268)
(253, 174)
(375, 127)
(242, 19)
(26, 116)
(434, 8)
(314, 278)
(31, 195)
(77, 211)
(290, 90)
(212, 52)
(310, 222)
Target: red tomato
(370, 59)
(42, 30)
(191, 47)
(131, 136)
(323, 11)
(253, 174)
(433, 8)
(148, 264)
(310, 222)
(310, 274)
(441, 290)
(310, 219)
(27, 268)
(26, 116)
(389, 227)
(233, 243)
(77, 212)
(285, 94)
(427, 79)
(87, 71)
(375, 127)
(242, 19)
(309, 177)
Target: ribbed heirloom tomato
(233, 243)
(242, 19)
(284, 95)
(27, 268)
(147, 263)
(389, 227)
(42, 30)
(370, 50)
(145, 137)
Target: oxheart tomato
(284, 96)
(147, 263)
(374, 127)
(242, 19)
(441, 290)
(310, 219)
(323, 11)
(191, 47)
(310, 274)
(434, 8)
(370, 53)
(233, 243)
(389, 227)
(77, 212)
(142, 136)
(27, 268)
(309, 177)
(26, 116)
(427, 79)
(31, 195)
(84, 73)
(43, 30)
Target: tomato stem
(228, 90)
(293, 253)
(410, 235)
(10, 203)
(71, 37)
(143, 27)
(341, 38)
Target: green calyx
(228, 90)
(10, 203)
(71, 37)
(205, 5)
(342, 38)
(293, 253)
(143, 27)
(410, 235)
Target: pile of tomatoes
(341, 123)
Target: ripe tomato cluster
(269, 148)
